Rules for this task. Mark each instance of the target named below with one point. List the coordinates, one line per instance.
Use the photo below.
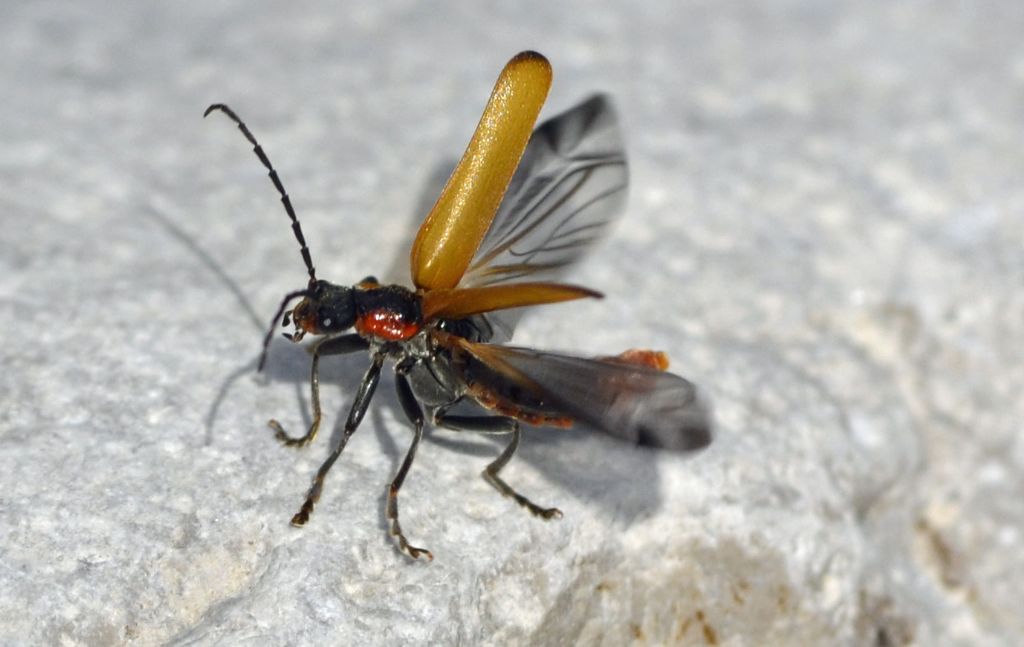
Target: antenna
(285, 200)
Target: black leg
(492, 425)
(355, 416)
(330, 346)
(415, 415)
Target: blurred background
(824, 231)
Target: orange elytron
(521, 206)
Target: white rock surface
(825, 230)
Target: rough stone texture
(825, 230)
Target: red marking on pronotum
(386, 324)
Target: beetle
(519, 208)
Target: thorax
(389, 313)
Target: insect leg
(355, 416)
(415, 415)
(330, 346)
(491, 425)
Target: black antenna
(285, 200)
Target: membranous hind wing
(634, 402)
(570, 184)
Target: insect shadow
(167, 222)
(614, 487)
(555, 453)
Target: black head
(327, 308)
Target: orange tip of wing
(463, 302)
(655, 359)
